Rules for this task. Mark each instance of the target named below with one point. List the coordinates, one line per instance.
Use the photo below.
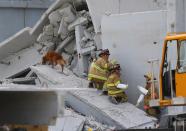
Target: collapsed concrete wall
(56, 30)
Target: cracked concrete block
(63, 29)
(122, 116)
(47, 43)
(56, 40)
(78, 21)
(68, 13)
(67, 17)
(55, 17)
(49, 29)
(56, 28)
(70, 47)
(43, 37)
(71, 121)
(64, 43)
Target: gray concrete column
(180, 16)
(171, 15)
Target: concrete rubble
(69, 122)
(73, 121)
(122, 116)
(59, 33)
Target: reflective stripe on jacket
(112, 82)
(98, 70)
(147, 97)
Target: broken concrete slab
(24, 80)
(122, 116)
(49, 76)
(43, 37)
(69, 122)
(64, 43)
(55, 18)
(78, 21)
(49, 29)
(19, 61)
(19, 41)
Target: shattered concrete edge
(122, 116)
(37, 29)
(72, 100)
(20, 40)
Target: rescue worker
(116, 95)
(99, 68)
(152, 111)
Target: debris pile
(61, 35)
(73, 121)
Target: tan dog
(54, 58)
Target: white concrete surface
(98, 8)
(17, 42)
(180, 15)
(130, 39)
(122, 116)
(29, 107)
(71, 121)
(50, 76)
(19, 61)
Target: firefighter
(152, 111)
(99, 69)
(116, 95)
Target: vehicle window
(171, 55)
(182, 56)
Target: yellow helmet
(104, 52)
(148, 76)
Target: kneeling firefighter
(115, 88)
(98, 71)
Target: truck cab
(172, 77)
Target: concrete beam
(28, 107)
(17, 42)
(26, 3)
(50, 77)
(122, 116)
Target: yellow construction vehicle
(172, 76)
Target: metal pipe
(170, 72)
(152, 85)
(158, 80)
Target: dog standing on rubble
(54, 58)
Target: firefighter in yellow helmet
(116, 95)
(152, 111)
(99, 69)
